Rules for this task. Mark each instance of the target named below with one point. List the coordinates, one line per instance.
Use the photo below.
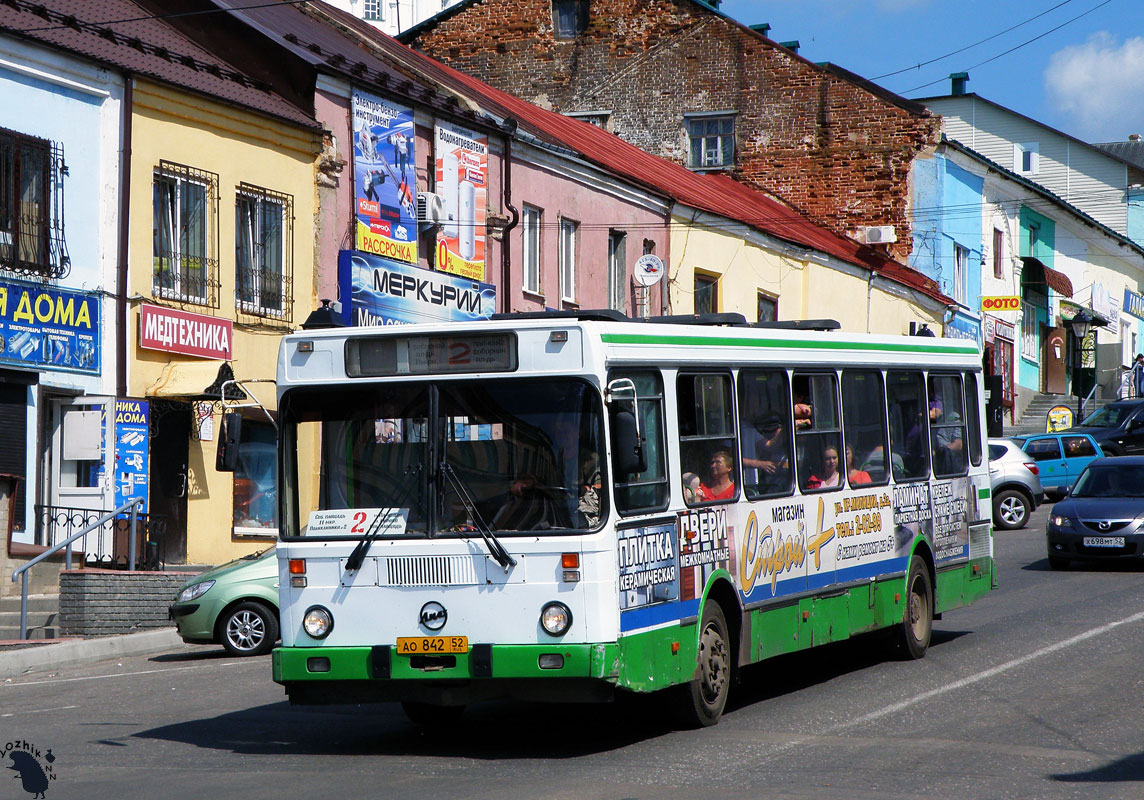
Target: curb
(86, 651)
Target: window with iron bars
(263, 252)
(31, 206)
(185, 235)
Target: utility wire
(971, 46)
(1017, 47)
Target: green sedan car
(235, 605)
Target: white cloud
(1098, 85)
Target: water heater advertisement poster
(385, 185)
(132, 450)
(386, 292)
(462, 180)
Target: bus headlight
(556, 619)
(317, 622)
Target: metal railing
(107, 545)
(21, 573)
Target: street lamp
(1081, 323)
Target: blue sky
(1086, 78)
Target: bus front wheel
(914, 630)
(701, 701)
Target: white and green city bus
(566, 506)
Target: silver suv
(1016, 484)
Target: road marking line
(989, 673)
(124, 674)
(39, 711)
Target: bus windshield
(453, 457)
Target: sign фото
(1001, 303)
(175, 331)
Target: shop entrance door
(170, 444)
(1055, 360)
(79, 477)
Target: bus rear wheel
(916, 627)
(431, 716)
(701, 701)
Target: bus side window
(864, 425)
(973, 417)
(909, 438)
(818, 432)
(707, 443)
(947, 425)
(764, 419)
(647, 490)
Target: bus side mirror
(226, 459)
(628, 455)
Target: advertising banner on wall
(48, 328)
(385, 185)
(175, 331)
(462, 180)
(132, 451)
(386, 292)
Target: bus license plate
(431, 645)
(1104, 541)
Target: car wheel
(1058, 562)
(1010, 509)
(912, 635)
(700, 703)
(431, 716)
(249, 629)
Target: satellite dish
(648, 270)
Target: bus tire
(701, 701)
(913, 632)
(431, 716)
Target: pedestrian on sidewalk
(1138, 375)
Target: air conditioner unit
(880, 234)
(430, 208)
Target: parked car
(235, 605)
(1016, 485)
(1117, 427)
(1060, 457)
(1102, 518)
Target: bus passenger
(831, 476)
(691, 484)
(771, 456)
(722, 487)
(857, 477)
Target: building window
(569, 18)
(185, 233)
(31, 196)
(617, 270)
(568, 230)
(712, 140)
(530, 249)
(373, 10)
(960, 272)
(768, 307)
(598, 118)
(706, 294)
(1026, 158)
(263, 250)
(998, 253)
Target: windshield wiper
(357, 557)
(496, 549)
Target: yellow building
(221, 265)
(719, 264)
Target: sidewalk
(70, 652)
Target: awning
(1057, 281)
(194, 380)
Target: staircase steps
(43, 617)
(1035, 418)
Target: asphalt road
(1031, 693)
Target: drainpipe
(121, 310)
(506, 261)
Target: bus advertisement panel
(385, 186)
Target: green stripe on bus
(710, 341)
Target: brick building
(682, 80)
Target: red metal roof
(128, 37)
(714, 193)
